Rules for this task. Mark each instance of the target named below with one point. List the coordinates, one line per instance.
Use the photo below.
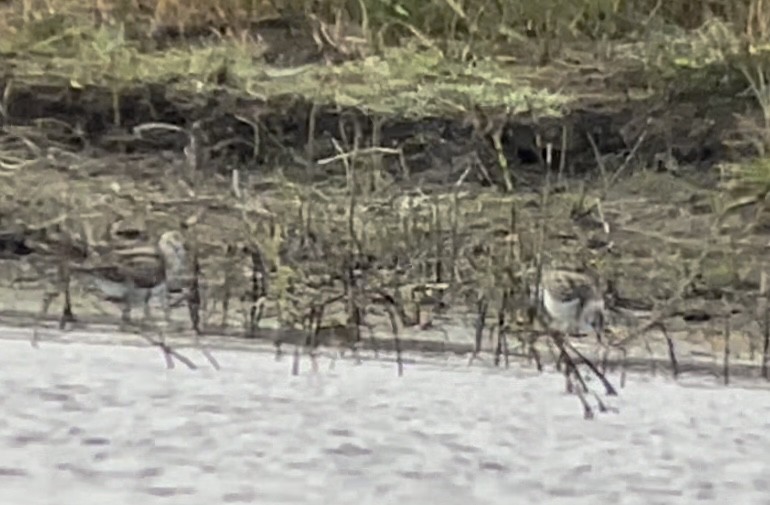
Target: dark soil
(688, 130)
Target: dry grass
(435, 22)
(110, 44)
(435, 17)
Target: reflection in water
(99, 424)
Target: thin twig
(606, 383)
(169, 353)
(343, 156)
(726, 357)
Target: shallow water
(92, 424)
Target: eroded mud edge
(416, 346)
(690, 130)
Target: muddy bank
(692, 356)
(305, 136)
(340, 214)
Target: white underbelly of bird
(566, 314)
(573, 302)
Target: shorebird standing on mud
(128, 274)
(575, 306)
(573, 302)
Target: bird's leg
(605, 352)
(193, 307)
(48, 297)
(558, 339)
(569, 387)
(146, 304)
(64, 285)
(147, 314)
(193, 297)
(66, 314)
(166, 302)
(125, 315)
(225, 303)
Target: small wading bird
(575, 306)
(130, 275)
(573, 302)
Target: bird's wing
(58, 245)
(141, 267)
(566, 286)
(145, 270)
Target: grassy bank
(408, 57)
(440, 20)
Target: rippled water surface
(85, 424)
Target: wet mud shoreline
(693, 358)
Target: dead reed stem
(395, 326)
(671, 351)
(588, 412)
(311, 132)
(258, 289)
(482, 305)
(765, 308)
(295, 361)
(502, 161)
(455, 237)
(502, 338)
(766, 344)
(228, 282)
(438, 243)
(609, 388)
(194, 295)
(726, 356)
(169, 353)
(570, 366)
